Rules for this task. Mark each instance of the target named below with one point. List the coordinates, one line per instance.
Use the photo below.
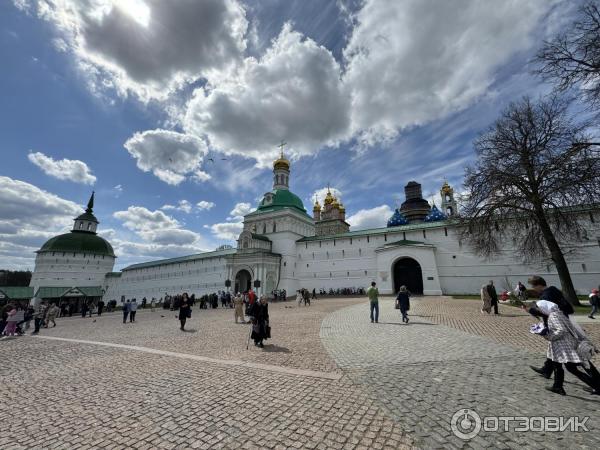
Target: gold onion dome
(281, 163)
(317, 206)
(335, 203)
(446, 189)
(342, 208)
(329, 198)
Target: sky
(172, 110)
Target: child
(11, 322)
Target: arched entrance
(243, 281)
(407, 272)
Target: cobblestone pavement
(74, 395)
(424, 372)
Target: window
(404, 235)
(359, 252)
(367, 239)
(592, 218)
(343, 253)
(307, 265)
(264, 228)
(80, 225)
(445, 231)
(350, 241)
(583, 267)
(385, 237)
(424, 234)
(274, 227)
(89, 226)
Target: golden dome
(342, 208)
(329, 198)
(335, 203)
(281, 163)
(446, 189)
(317, 206)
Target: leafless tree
(572, 58)
(530, 184)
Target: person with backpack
(594, 303)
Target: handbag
(585, 349)
(188, 313)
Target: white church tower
(282, 219)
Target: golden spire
(446, 189)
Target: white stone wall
(198, 276)
(61, 269)
(346, 262)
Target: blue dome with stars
(397, 219)
(435, 215)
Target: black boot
(542, 372)
(556, 390)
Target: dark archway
(407, 272)
(243, 281)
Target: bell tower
(449, 206)
(281, 171)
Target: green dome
(281, 198)
(79, 242)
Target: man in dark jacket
(493, 295)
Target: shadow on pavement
(276, 349)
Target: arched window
(274, 227)
(449, 210)
(89, 226)
(264, 228)
(80, 225)
(448, 197)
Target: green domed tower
(78, 258)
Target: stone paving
(423, 373)
(328, 379)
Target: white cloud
(240, 210)
(231, 229)
(228, 231)
(63, 169)
(322, 193)
(200, 176)
(183, 206)
(28, 217)
(204, 205)
(293, 91)
(171, 156)
(415, 61)
(157, 228)
(147, 47)
(370, 218)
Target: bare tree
(572, 58)
(532, 179)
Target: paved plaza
(328, 379)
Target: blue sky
(132, 98)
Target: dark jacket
(183, 310)
(492, 291)
(403, 301)
(554, 295)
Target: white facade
(278, 248)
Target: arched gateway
(243, 281)
(407, 272)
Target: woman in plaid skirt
(562, 348)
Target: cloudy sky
(171, 110)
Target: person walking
(38, 316)
(299, 297)
(373, 295)
(152, 304)
(403, 302)
(314, 294)
(126, 308)
(486, 299)
(594, 303)
(493, 295)
(133, 306)
(184, 312)
(11, 321)
(563, 341)
(51, 315)
(238, 303)
(261, 329)
(100, 307)
(84, 307)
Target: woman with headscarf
(486, 299)
(563, 340)
(260, 322)
(403, 302)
